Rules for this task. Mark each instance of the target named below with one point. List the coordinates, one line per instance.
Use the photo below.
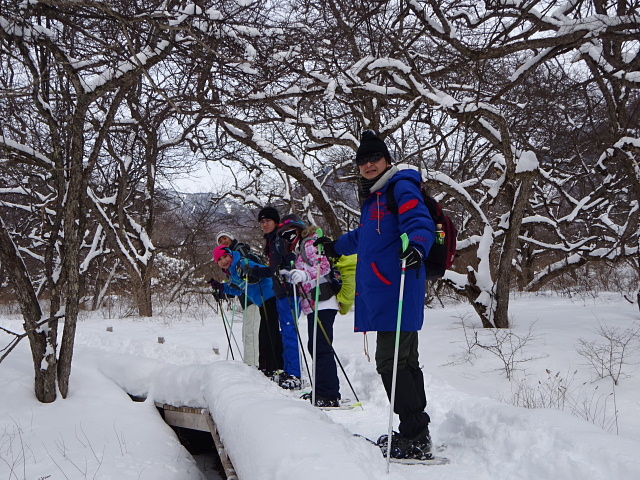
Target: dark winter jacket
(377, 243)
(277, 252)
(257, 292)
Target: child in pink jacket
(301, 238)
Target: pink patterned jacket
(325, 267)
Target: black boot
(421, 446)
(410, 401)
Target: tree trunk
(509, 247)
(45, 378)
(74, 221)
(143, 296)
(44, 363)
(472, 291)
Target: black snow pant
(270, 340)
(410, 399)
(327, 384)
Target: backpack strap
(303, 250)
(245, 250)
(392, 203)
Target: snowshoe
(399, 445)
(322, 402)
(327, 402)
(275, 376)
(405, 448)
(422, 447)
(289, 382)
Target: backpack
(245, 250)
(443, 251)
(346, 265)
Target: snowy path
(273, 435)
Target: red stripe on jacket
(405, 207)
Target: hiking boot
(421, 446)
(321, 401)
(289, 382)
(276, 375)
(327, 402)
(418, 448)
(400, 446)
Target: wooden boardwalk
(198, 419)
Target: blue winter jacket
(257, 292)
(377, 243)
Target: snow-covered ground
(99, 433)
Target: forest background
(523, 117)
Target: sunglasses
(372, 158)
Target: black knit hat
(371, 149)
(269, 212)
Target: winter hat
(371, 149)
(223, 234)
(220, 252)
(291, 221)
(269, 212)
(288, 227)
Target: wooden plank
(199, 419)
(193, 421)
(229, 471)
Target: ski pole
(333, 350)
(226, 331)
(266, 318)
(231, 330)
(246, 304)
(226, 321)
(233, 316)
(304, 356)
(315, 318)
(405, 245)
(297, 313)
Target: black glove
(245, 267)
(217, 289)
(328, 246)
(413, 257)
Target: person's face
(224, 262)
(224, 240)
(267, 225)
(372, 169)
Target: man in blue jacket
(379, 247)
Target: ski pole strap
(320, 247)
(405, 241)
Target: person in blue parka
(379, 247)
(260, 292)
